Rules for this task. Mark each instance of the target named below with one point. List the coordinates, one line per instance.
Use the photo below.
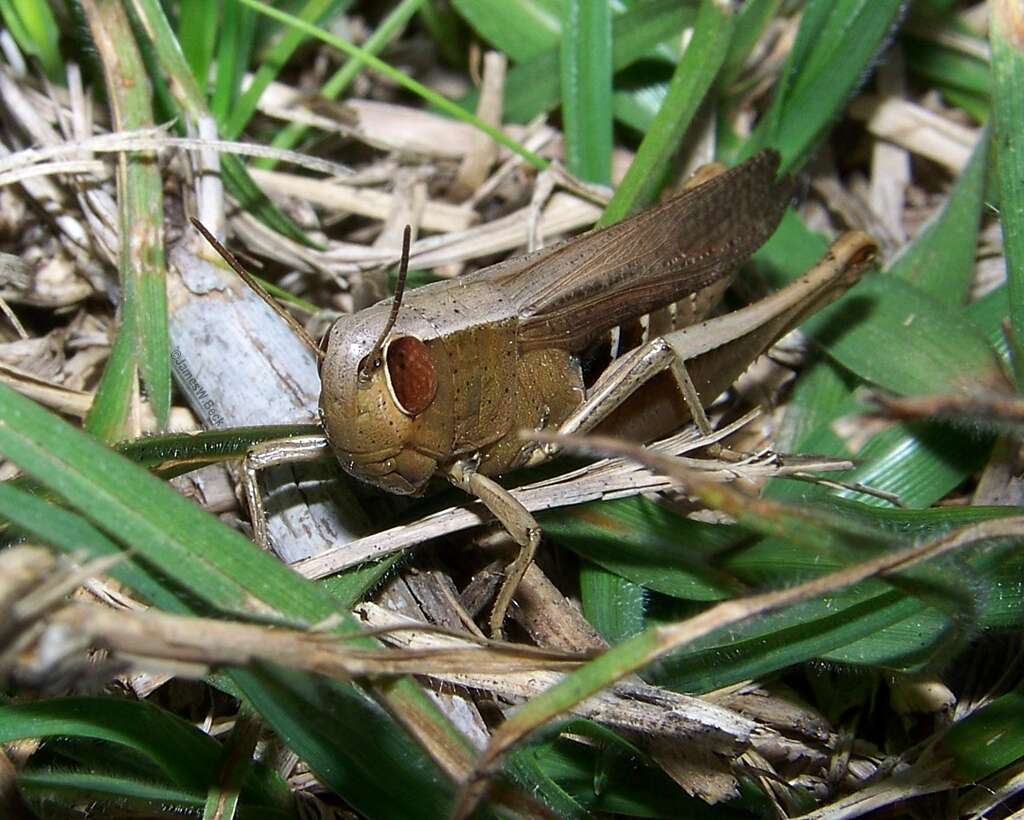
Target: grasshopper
(439, 382)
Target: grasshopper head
(374, 409)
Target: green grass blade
(698, 562)
(34, 28)
(836, 46)
(188, 99)
(921, 462)
(629, 790)
(432, 97)
(613, 604)
(240, 110)
(751, 21)
(108, 416)
(198, 25)
(234, 50)
(388, 29)
(940, 349)
(821, 394)
(586, 69)
(219, 566)
(97, 788)
(140, 205)
(1007, 38)
(533, 87)
(523, 29)
(384, 775)
(190, 450)
(251, 197)
(640, 541)
(941, 259)
(987, 740)
(948, 69)
(236, 758)
(443, 26)
(187, 756)
(71, 533)
(690, 83)
(127, 503)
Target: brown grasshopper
(440, 383)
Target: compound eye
(411, 374)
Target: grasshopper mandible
(440, 381)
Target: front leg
(515, 518)
(271, 454)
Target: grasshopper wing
(569, 294)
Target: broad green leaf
(940, 260)
(533, 87)
(987, 740)
(898, 337)
(523, 29)
(612, 604)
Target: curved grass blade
(184, 754)
(227, 572)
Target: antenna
(260, 291)
(373, 359)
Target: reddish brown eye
(411, 374)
